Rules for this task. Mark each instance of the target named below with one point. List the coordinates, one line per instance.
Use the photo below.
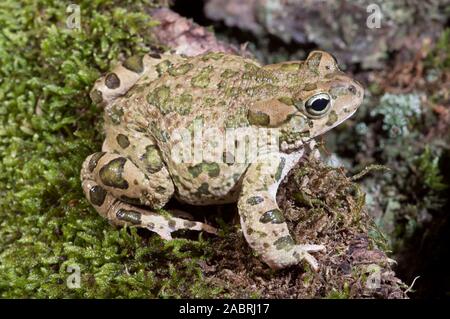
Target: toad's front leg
(262, 221)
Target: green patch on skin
(183, 103)
(238, 119)
(163, 66)
(129, 216)
(284, 242)
(181, 70)
(134, 63)
(255, 200)
(280, 169)
(310, 86)
(160, 98)
(332, 118)
(228, 73)
(160, 135)
(212, 169)
(112, 81)
(209, 101)
(258, 118)
(152, 159)
(202, 79)
(212, 55)
(250, 67)
(286, 100)
(274, 216)
(111, 173)
(97, 195)
(115, 114)
(93, 162)
(290, 67)
(122, 140)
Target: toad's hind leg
(119, 191)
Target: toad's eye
(318, 104)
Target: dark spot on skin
(150, 226)
(189, 224)
(155, 55)
(203, 189)
(160, 190)
(297, 256)
(96, 96)
(111, 173)
(152, 160)
(94, 161)
(112, 81)
(274, 216)
(134, 63)
(135, 182)
(284, 242)
(258, 118)
(123, 140)
(352, 89)
(266, 245)
(131, 200)
(97, 195)
(130, 216)
(250, 231)
(255, 200)
(280, 169)
(212, 169)
(228, 158)
(172, 223)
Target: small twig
(367, 169)
(410, 287)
